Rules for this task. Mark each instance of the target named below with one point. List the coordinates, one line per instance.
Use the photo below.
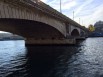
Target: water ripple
(82, 60)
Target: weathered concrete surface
(50, 41)
(20, 10)
(37, 21)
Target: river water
(82, 60)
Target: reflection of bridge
(37, 22)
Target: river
(82, 60)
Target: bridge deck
(46, 9)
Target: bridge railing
(44, 8)
(57, 14)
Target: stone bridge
(38, 23)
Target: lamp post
(82, 22)
(79, 20)
(73, 15)
(60, 7)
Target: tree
(91, 28)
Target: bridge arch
(30, 29)
(82, 33)
(26, 11)
(75, 32)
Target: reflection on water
(47, 61)
(82, 60)
(12, 58)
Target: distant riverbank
(8, 36)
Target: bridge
(38, 23)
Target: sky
(86, 12)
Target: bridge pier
(31, 41)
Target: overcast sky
(85, 11)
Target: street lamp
(60, 7)
(82, 22)
(79, 20)
(73, 15)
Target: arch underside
(82, 33)
(29, 29)
(75, 32)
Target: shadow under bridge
(30, 29)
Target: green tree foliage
(91, 28)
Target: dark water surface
(82, 60)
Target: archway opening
(4, 36)
(30, 29)
(35, 32)
(82, 33)
(75, 33)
